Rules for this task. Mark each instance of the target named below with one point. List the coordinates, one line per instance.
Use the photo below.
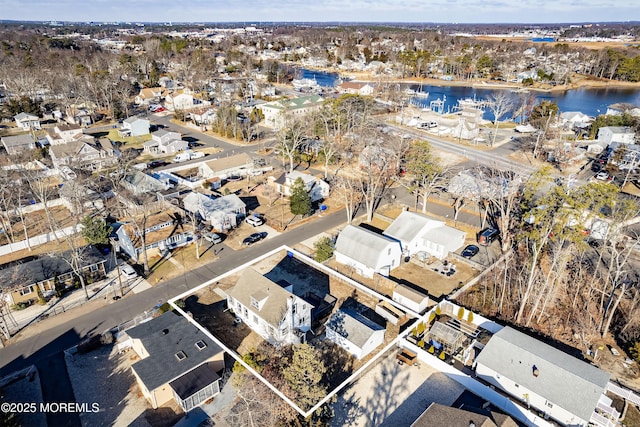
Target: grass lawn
(129, 141)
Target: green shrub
(438, 311)
(460, 313)
(634, 350)
(431, 349)
(19, 306)
(442, 355)
(421, 344)
(323, 249)
(470, 317)
(164, 308)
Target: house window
(549, 404)
(26, 291)
(517, 386)
(255, 319)
(93, 268)
(201, 345)
(181, 356)
(255, 304)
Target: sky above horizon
(445, 11)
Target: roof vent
(165, 331)
(472, 424)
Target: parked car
(470, 251)
(254, 220)
(128, 272)
(212, 238)
(487, 236)
(603, 176)
(253, 238)
(157, 163)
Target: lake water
(323, 78)
(592, 102)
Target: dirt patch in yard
(104, 376)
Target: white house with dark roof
(63, 134)
(545, 378)
(178, 361)
(354, 332)
(16, 144)
(223, 213)
(367, 252)
(275, 112)
(26, 121)
(418, 233)
(272, 311)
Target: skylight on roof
(200, 345)
(181, 356)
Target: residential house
(85, 153)
(184, 101)
(272, 311)
(17, 144)
(135, 126)
(178, 361)
(138, 183)
(317, 188)
(575, 120)
(223, 213)
(26, 121)
(619, 134)
(62, 134)
(161, 231)
(465, 416)
(411, 297)
(356, 88)
(148, 95)
(203, 116)
(276, 112)
(367, 252)
(468, 126)
(79, 198)
(21, 279)
(165, 142)
(418, 233)
(545, 378)
(224, 167)
(354, 332)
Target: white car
(254, 220)
(603, 176)
(128, 272)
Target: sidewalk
(105, 289)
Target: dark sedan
(253, 238)
(470, 251)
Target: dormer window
(181, 356)
(201, 345)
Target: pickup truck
(408, 357)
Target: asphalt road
(35, 349)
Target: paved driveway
(393, 395)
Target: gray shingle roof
(352, 326)
(440, 415)
(563, 380)
(362, 245)
(17, 275)
(163, 337)
(17, 140)
(253, 284)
